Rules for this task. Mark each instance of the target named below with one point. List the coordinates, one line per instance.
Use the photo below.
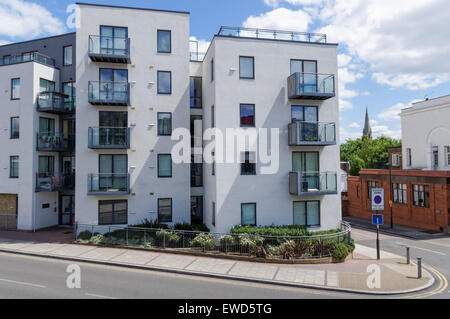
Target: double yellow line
(443, 284)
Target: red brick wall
(403, 214)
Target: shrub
(97, 239)
(151, 224)
(340, 252)
(287, 249)
(192, 227)
(270, 230)
(86, 235)
(351, 247)
(165, 237)
(206, 241)
(227, 240)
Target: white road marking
(99, 296)
(22, 283)
(424, 249)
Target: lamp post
(390, 195)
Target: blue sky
(391, 53)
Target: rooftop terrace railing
(272, 34)
(23, 58)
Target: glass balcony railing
(109, 184)
(54, 142)
(29, 57)
(109, 138)
(109, 49)
(312, 183)
(54, 102)
(50, 182)
(272, 34)
(311, 86)
(109, 93)
(312, 133)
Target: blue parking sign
(377, 219)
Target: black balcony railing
(312, 133)
(109, 138)
(109, 49)
(109, 93)
(51, 182)
(311, 86)
(109, 184)
(54, 102)
(54, 142)
(312, 183)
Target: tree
(367, 153)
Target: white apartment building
(426, 135)
(138, 80)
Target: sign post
(377, 219)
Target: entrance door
(68, 172)
(67, 210)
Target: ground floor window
(400, 193)
(165, 210)
(112, 212)
(248, 214)
(421, 195)
(307, 213)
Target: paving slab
(13, 245)
(172, 261)
(136, 257)
(332, 279)
(211, 265)
(72, 250)
(104, 254)
(260, 271)
(40, 248)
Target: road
(36, 278)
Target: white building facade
(139, 81)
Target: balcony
(31, 57)
(109, 93)
(49, 182)
(312, 134)
(272, 34)
(310, 184)
(311, 86)
(109, 184)
(109, 138)
(109, 49)
(54, 142)
(54, 102)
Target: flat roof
(134, 8)
(38, 39)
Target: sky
(391, 52)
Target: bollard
(408, 256)
(419, 268)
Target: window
(14, 127)
(113, 40)
(164, 82)
(165, 210)
(197, 209)
(15, 89)
(435, 156)
(113, 75)
(213, 117)
(46, 126)
(164, 165)
(447, 155)
(46, 85)
(248, 163)
(421, 195)
(303, 66)
(213, 220)
(409, 157)
(27, 56)
(370, 185)
(164, 124)
(196, 92)
(14, 167)
(67, 55)
(308, 74)
(6, 59)
(246, 67)
(213, 165)
(248, 214)
(304, 113)
(196, 172)
(70, 91)
(112, 212)
(113, 170)
(400, 193)
(395, 160)
(212, 70)
(307, 213)
(247, 113)
(164, 41)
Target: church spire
(367, 129)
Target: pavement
(395, 276)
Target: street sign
(377, 219)
(377, 199)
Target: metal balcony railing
(109, 138)
(54, 102)
(30, 57)
(272, 34)
(54, 142)
(109, 184)
(51, 182)
(312, 133)
(109, 49)
(311, 86)
(109, 93)
(312, 183)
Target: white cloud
(383, 130)
(347, 135)
(276, 3)
(393, 113)
(345, 105)
(202, 44)
(23, 19)
(280, 19)
(354, 125)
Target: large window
(46, 85)
(113, 40)
(46, 126)
(196, 173)
(247, 115)
(370, 186)
(164, 41)
(164, 165)
(113, 170)
(67, 55)
(400, 193)
(14, 167)
(307, 213)
(164, 82)
(246, 67)
(303, 66)
(46, 166)
(304, 113)
(112, 212)
(70, 91)
(248, 163)
(421, 195)
(164, 124)
(248, 214)
(14, 127)
(165, 210)
(15, 89)
(197, 209)
(196, 92)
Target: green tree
(367, 153)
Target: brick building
(421, 199)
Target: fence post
(164, 240)
(6, 223)
(204, 246)
(419, 268)
(408, 256)
(145, 237)
(127, 235)
(321, 247)
(349, 237)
